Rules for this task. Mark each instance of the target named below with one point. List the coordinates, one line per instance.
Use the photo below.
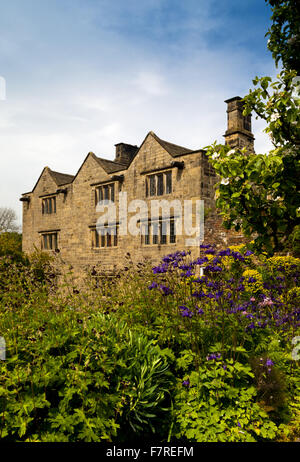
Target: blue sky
(83, 75)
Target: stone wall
(76, 214)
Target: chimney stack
(238, 134)
(125, 152)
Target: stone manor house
(59, 214)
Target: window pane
(106, 193)
(49, 205)
(112, 192)
(160, 185)
(108, 238)
(163, 232)
(115, 237)
(96, 238)
(45, 244)
(152, 185)
(168, 182)
(155, 233)
(145, 235)
(102, 238)
(172, 232)
(147, 186)
(55, 241)
(54, 204)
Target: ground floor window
(161, 231)
(105, 236)
(49, 241)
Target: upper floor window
(49, 241)
(159, 184)
(106, 236)
(49, 205)
(105, 192)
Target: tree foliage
(284, 34)
(11, 245)
(259, 193)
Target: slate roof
(61, 178)
(111, 166)
(171, 148)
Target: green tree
(259, 193)
(284, 34)
(11, 245)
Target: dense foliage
(11, 244)
(260, 193)
(284, 33)
(161, 352)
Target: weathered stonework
(74, 216)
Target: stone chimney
(238, 134)
(125, 152)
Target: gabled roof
(171, 148)
(61, 178)
(111, 166)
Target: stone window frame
(159, 238)
(107, 240)
(49, 205)
(50, 238)
(100, 192)
(159, 183)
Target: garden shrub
(159, 352)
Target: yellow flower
(285, 263)
(253, 281)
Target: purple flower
(166, 290)
(153, 285)
(213, 356)
(269, 363)
(185, 312)
(198, 294)
(225, 253)
(251, 280)
(186, 383)
(248, 253)
(160, 269)
(200, 311)
(187, 274)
